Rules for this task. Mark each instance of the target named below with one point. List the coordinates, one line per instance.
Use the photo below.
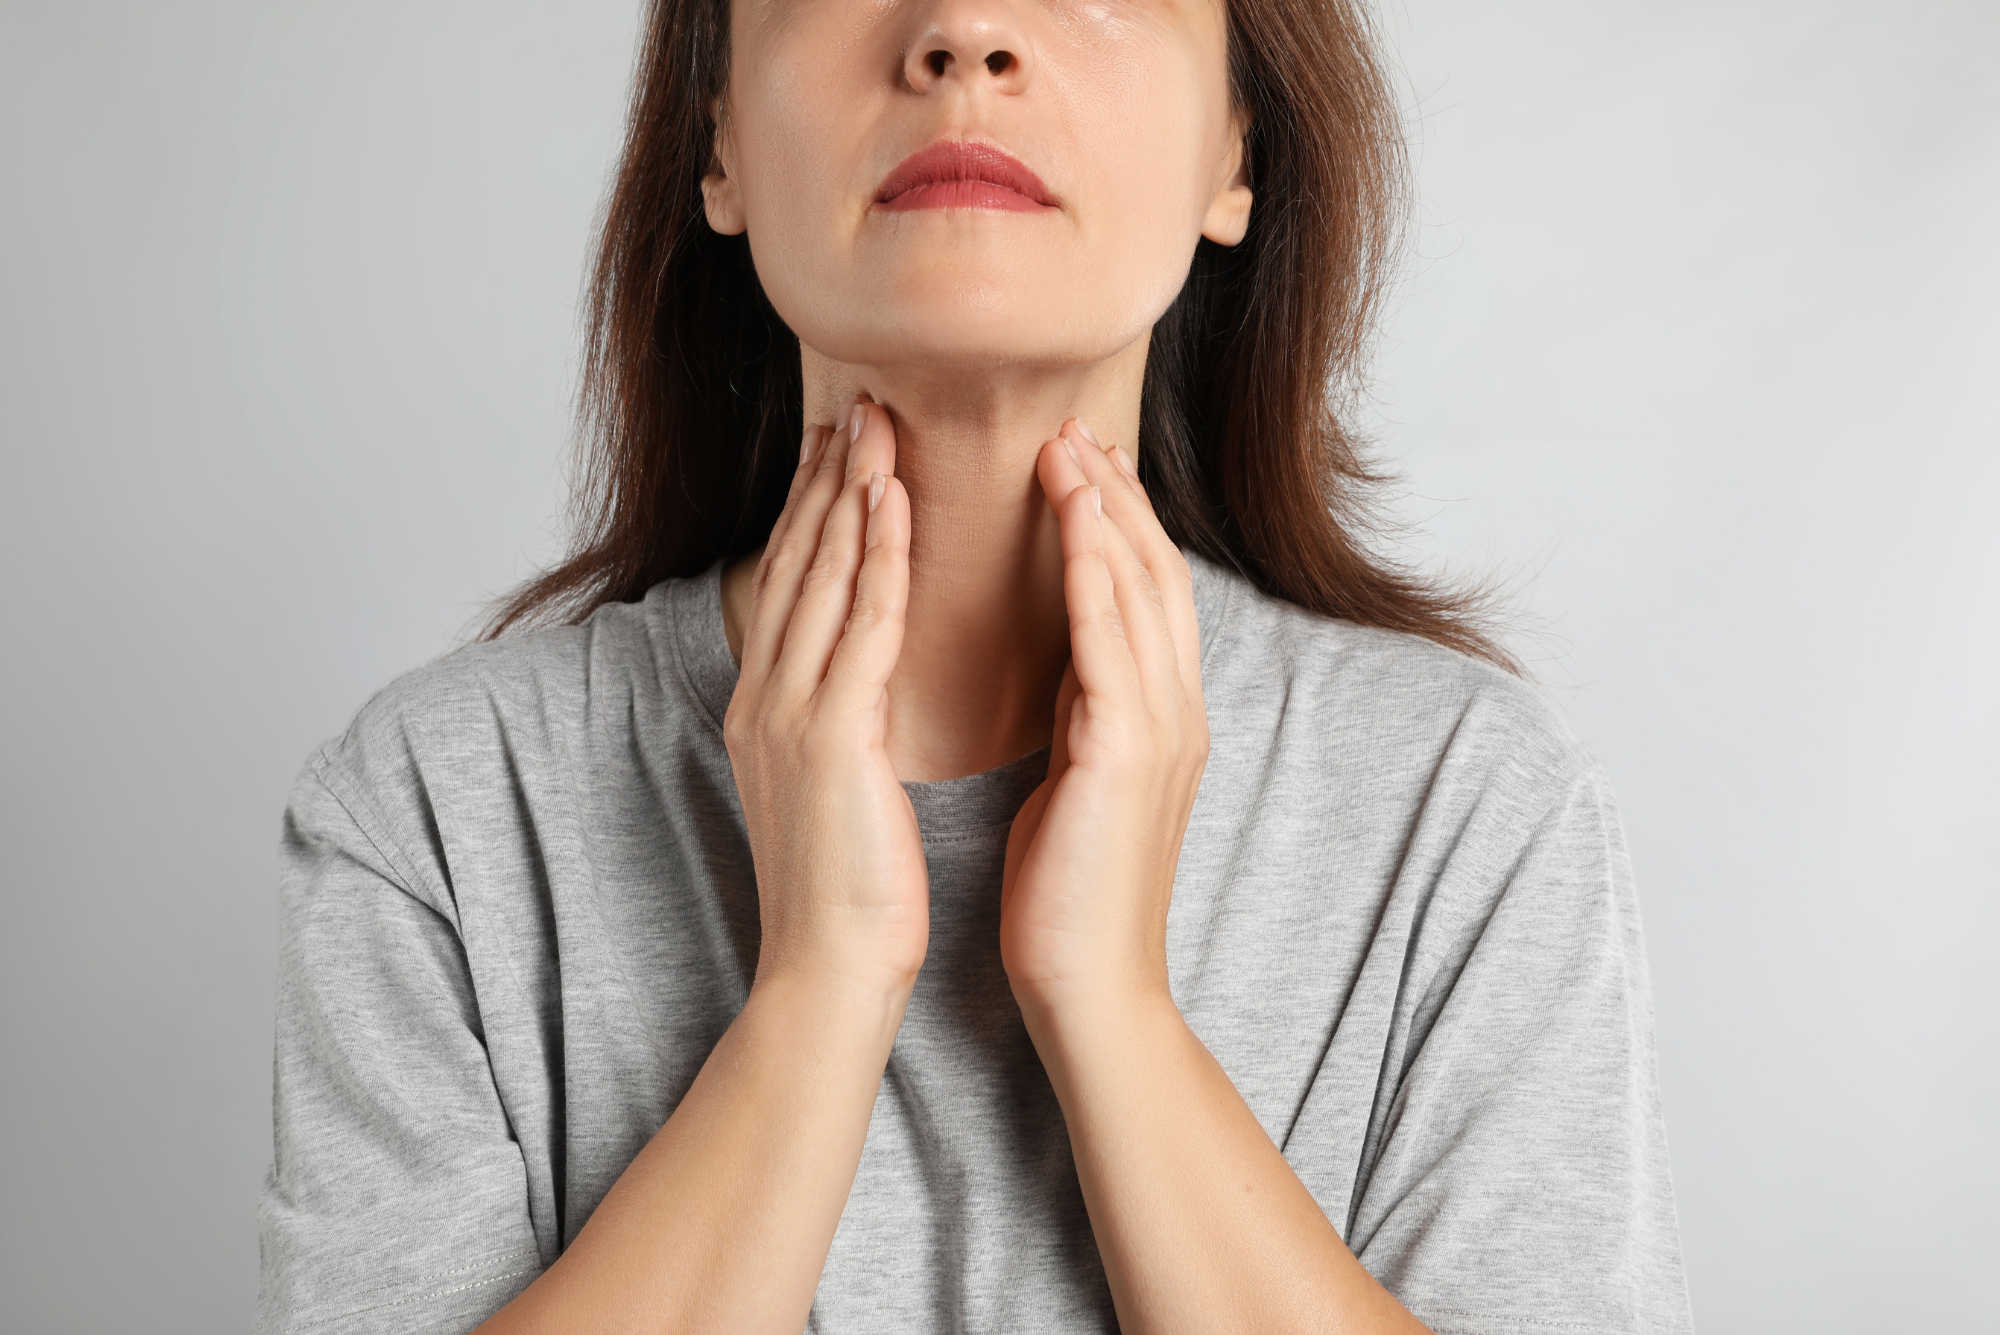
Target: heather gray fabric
(518, 911)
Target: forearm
(1201, 1224)
(723, 1221)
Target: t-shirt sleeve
(1521, 1184)
(397, 1198)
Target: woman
(904, 892)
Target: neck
(987, 634)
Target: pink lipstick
(956, 175)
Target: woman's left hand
(1199, 1220)
(1091, 857)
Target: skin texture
(964, 571)
(1121, 109)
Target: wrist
(866, 1004)
(1099, 1027)
(843, 965)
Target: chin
(968, 336)
(964, 317)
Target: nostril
(937, 61)
(1000, 62)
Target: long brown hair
(692, 400)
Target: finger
(790, 556)
(826, 595)
(814, 441)
(872, 640)
(1098, 651)
(793, 539)
(869, 455)
(1143, 609)
(826, 591)
(873, 437)
(1155, 649)
(1126, 502)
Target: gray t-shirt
(518, 911)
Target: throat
(986, 635)
(975, 718)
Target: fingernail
(874, 492)
(846, 411)
(1097, 501)
(1073, 457)
(1089, 435)
(859, 420)
(808, 445)
(1124, 461)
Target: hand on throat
(987, 634)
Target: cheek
(1145, 149)
(790, 137)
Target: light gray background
(1701, 350)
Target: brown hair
(692, 402)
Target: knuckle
(818, 493)
(792, 552)
(740, 727)
(869, 613)
(821, 572)
(823, 742)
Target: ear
(719, 193)
(1228, 216)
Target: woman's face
(866, 145)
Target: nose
(971, 41)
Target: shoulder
(1259, 647)
(1413, 777)
(1403, 710)
(466, 743)
(522, 684)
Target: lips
(955, 175)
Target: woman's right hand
(842, 890)
(723, 1221)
